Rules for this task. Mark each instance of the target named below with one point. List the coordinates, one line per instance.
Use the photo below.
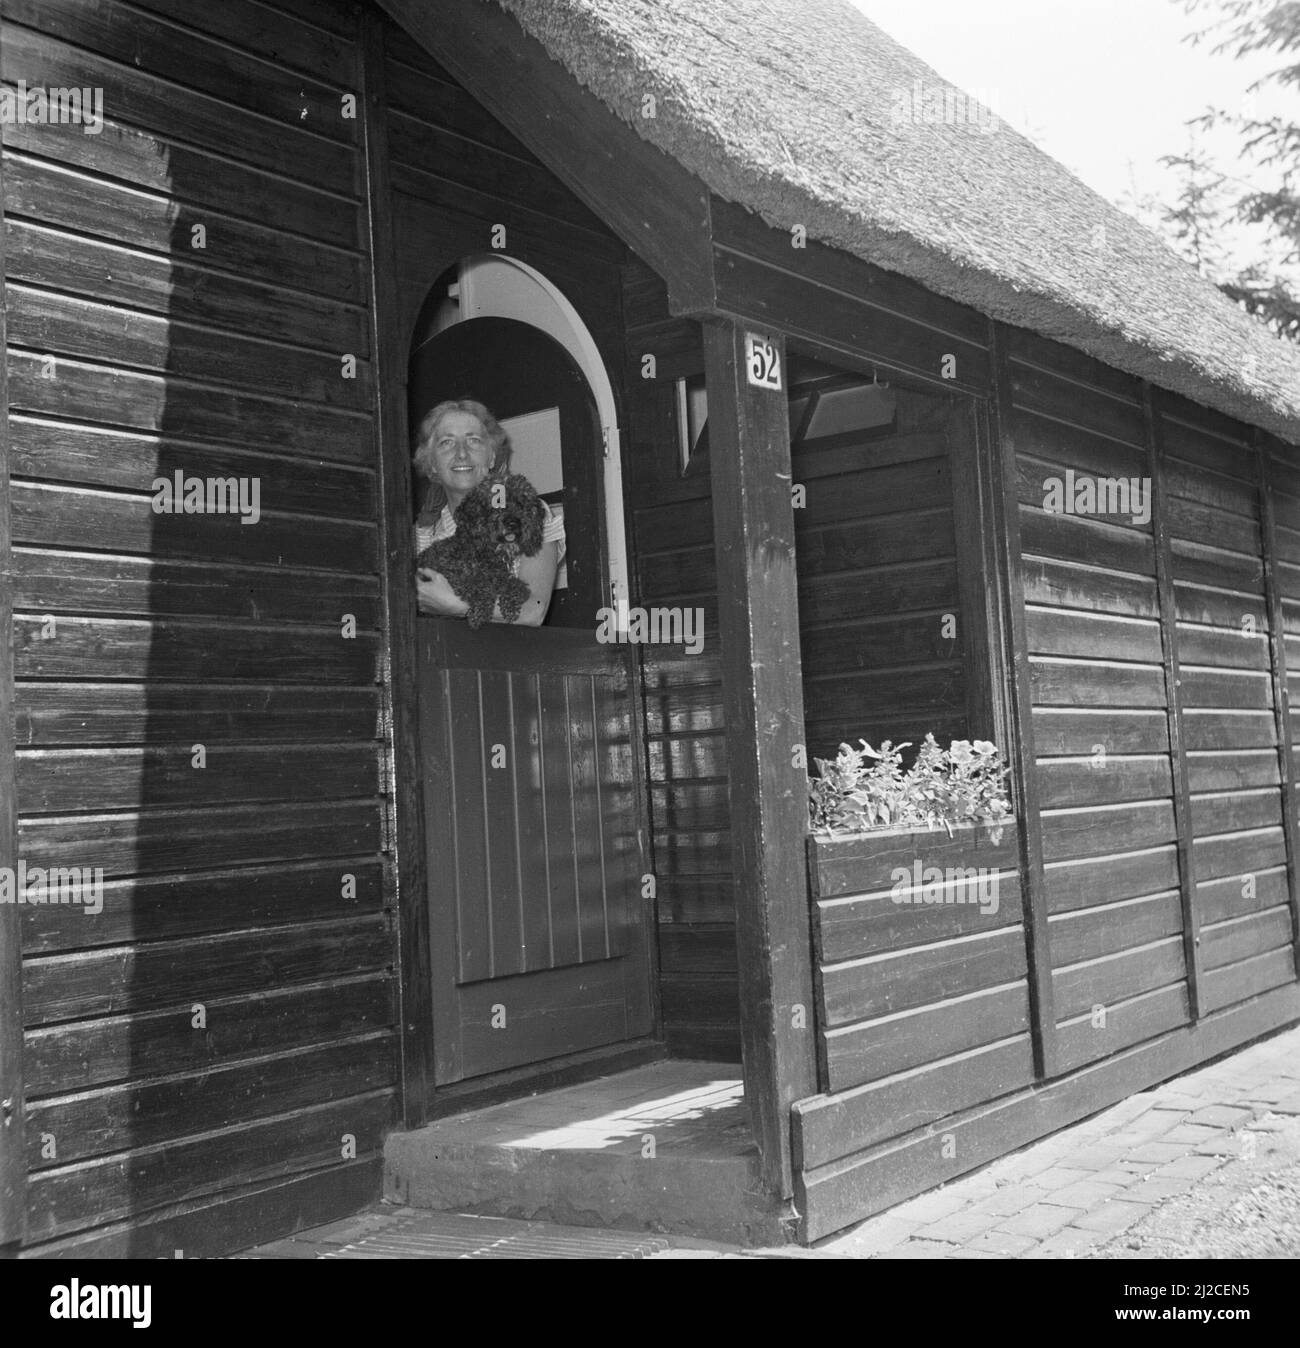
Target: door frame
(404, 841)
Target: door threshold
(553, 1074)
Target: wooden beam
(13, 1167)
(657, 207)
(1168, 604)
(758, 608)
(1281, 690)
(1020, 746)
(407, 874)
(980, 620)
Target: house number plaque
(762, 361)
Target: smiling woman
(460, 445)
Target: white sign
(762, 361)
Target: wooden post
(758, 608)
(406, 882)
(1020, 748)
(1168, 603)
(1281, 690)
(13, 1166)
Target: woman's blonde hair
(423, 456)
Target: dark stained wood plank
(1241, 982)
(76, 202)
(1107, 829)
(904, 980)
(560, 836)
(74, 1199)
(160, 839)
(1058, 632)
(55, 582)
(150, 1114)
(1232, 812)
(140, 401)
(1081, 539)
(274, 142)
(1108, 928)
(129, 523)
(1113, 978)
(97, 456)
(467, 871)
(61, 325)
(1072, 586)
(1240, 854)
(1031, 349)
(589, 856)
(1102, 780)
(155, 908)
(185, 291)
(1243, 937)
(1072, 885)
(854, 1119)
(1033, 388)
(869, 1051)
(1068, 730)
(1058, 682)
(501, 771)
(1087, 1038)
(763, 694)
(119, 648)
(84, 1054)
(65, 780)
(13, 1171)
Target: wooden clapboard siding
(922, 989)
(1215, 508)
(198, 699)
(1105, 777)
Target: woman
(457, 445)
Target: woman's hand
(434, 595)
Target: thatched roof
(790, 108)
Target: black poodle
(501, 517)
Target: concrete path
(1207, 1165)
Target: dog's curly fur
(476, 559)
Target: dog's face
(517, 520)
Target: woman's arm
(434, 595)
(538, 573)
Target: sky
(1104, 86)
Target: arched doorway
(539, 932)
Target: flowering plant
(863, 789)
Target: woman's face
(462, 453)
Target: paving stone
(1086, 1193)
(1287, 1104)
(1230, 1144)
(919, 1249)
(1110, 1217)
(1190, 1167)
(1039, 1221)
(960, 1226)
(1010, 1199)
(1068, 1243)
(1099, 1156)
(1221, 1116)
(1160, 1152)
(1190, 1132)
(967, 1253)
(1061, 1178)
(1001, 1242)
(873, 1237)
(931, 1207)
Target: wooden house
(814, 348)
